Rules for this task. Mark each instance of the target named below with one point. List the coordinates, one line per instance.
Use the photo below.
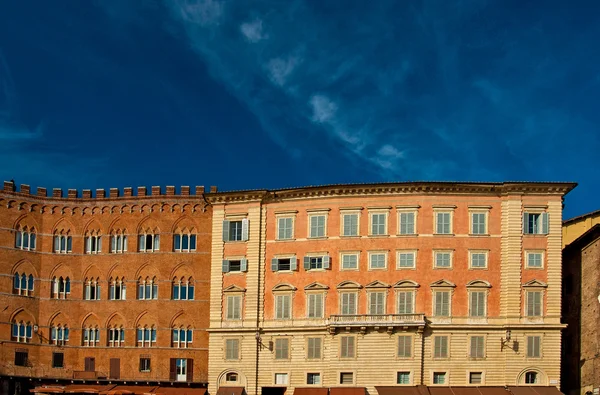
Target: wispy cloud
(279, 69)
(253, 31)
(323, 109)
(200, 12)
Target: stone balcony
(362, 321)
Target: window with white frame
(377, 260)
(149, 241)
(61, 287)
(441, 306)
(378, 224)
(25, 238)
(349, 261)
(314, 305)
(477, 303)
(535, 259)
(118, 241)
(377, 303)
(406, 259)
(93, 242)
(282, 348)
(478, 259)
(403, 378)
(182, 337)
(317, 225)
(235, 265)
(21, 331)
(184, 241)
(146, 336)
(313, 378)
(59, 334)
(234, 307)
(443, 222)
(348, 303)
(439, 378)
(407, 223)
(116, 336)
(281, 378)
(350, 224)
(313, 348)
(535, 223)
(23, 284)
(283, 306)
(405, 346)
(313, 262)
(405, 302)
(347, 346)
(117, 289)
(440, 346)
(284, 264)
(91, 289)
(475, 377)
(442, 259)
(477, 347)
(285, 228)
(147, 288)
(183, 288)
(90, 336)
(478, 223)
(534, 303)
(232, 349)
(534, 346)
(236, 230)
(63, 242)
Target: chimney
(72, 193)
(185, 190)
(41, 191)
(25, 189)
(87, 193)
(57, 192)
(100, 193)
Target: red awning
(129, 390)
(397, 390)
(87, 388)
(347, 391)
(311, 391)
(535, 390)
(231, 391)
(49, 389)
(179, 391)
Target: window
(535, 260)
(23, 284)
(283, 307)
(92, 289)
(285, 228)
(93, 243)
(317, 226)
(534, 304)
(282, 348)
(407, 223)
(313, 378)
(439, 377)
(118, 241)
(405, 302)
(535, 223)
(477, 303)
(232, 349)
(442, 304)
(231, 377)
(350, 225)
(63, 243)
(348, 303)
(234, 307)
(235, 265)
(281, 378)
(284, 264)
(183, 288)
(346, 378)
(235, 230)
(25, 238)
(443, 259)
(147, 288)
(144, 364)
(378, 224)
(61, 287)
(22, 332)
(314, 348)
(90, 336)
(315, 305)
(403, 378)
(404, 346)
(443, 225)
(534, 346)
(440, 348)
(59, 334)
(347, 347)
(316, 262)
(149, 241)
(406, 260)
(146, 336)
(376, 303)
(475, 378)
(117, 289)
(478, 223)
(58, 360)
(184, 242)
(476, 349)
(478, 260)
(21, 358)
(531, 378)
(377, 260)
(350, 261)
(116, 337)
(182, 337)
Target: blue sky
(269, 94)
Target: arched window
(118, 289)
(59, 334)
(92, 289)
(184, 241)
(183, 288)
(93, 242)
(147, 288)
(22, 331)
(90, 336)
(182, 337)
(149, 241)
(231, 377)
(25, 238)
(116, 336)
(61, 287)
(23, 284)
(531, 378)
(118, 241)
(146, 336)
(63, 242)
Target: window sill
(284, 240)
(315, 270)
(478, 268)
(377, 268)
(479, 235)
(540, 235)
(534, 268)
(406, 268)
(444, 234)
(349, 269)
(442, 268)
(285, 271)
(238, 273)
(318, 238)
(379, 236)
(235, 241)
(350, 236)
(407, 235)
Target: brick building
(386, 285)
(101, 291)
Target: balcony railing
(377, 320)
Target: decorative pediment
(406, 284)
(535, 284)
(234, 288)
(283, 287)
(348, 285)
(377, 284)
(442, 284)
(316, 287)
(479, 284)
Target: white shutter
(326, 262)
(245, 225)
(244, 265)
(293, 263)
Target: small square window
(475, 377)
(346, 378)
(58, 360)
(377, 261)
(535, 260)
(21, 358)
(535, 223)
(443, 260)
(478, 260)
(144, 364)
(406, 260)
(281, 378)
(350, 261)
(313, 378)
(403, 378)
(439, 377)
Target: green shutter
(545, 223)
(306, 263)
(293, 263)
(225, 230)
(274, 264)
(326, 261)
(225, 266)
(244, 265)
(245, 226)
(525, 223)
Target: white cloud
(390, 151)
(201, 12)
(253, 31)
(323, 108)
(279, 69)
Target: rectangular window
(283, 307)
(313, 378)
(378, 224)
(234, 307)
(440, 349)
(443, 260)
(534, 346)
(184, 243)
(376, 303)
(347, 347)
(282, 348)
(235, 230)
(404, 346)
(406, 260)
(350, 225)
(407, 223)
(350, 261)
(478, 260)
(405, 302)
(281, 378)
(477, 303)
(535, 223)
(313, 262)
(348, 305)
(376, 261)
(232, 349)
(534, 304)
(285, 227)
(21, 358)
(475, 377)
(58, 360)
(442, 304)
(535, 260)
(144, 364)
(442, 223)
(346, 378)
(439, 377)
(235, 266)
(118, 243)
(317, 226)
(478, 225)
(314, 348)
(403, 378)
(476, 349)
(93, 244)
(284, 264)
(315, 305)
